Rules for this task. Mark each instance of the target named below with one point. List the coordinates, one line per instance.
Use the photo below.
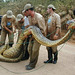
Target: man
(71, 21)
(53, 33)
(7, 23)
(74, 17)
(35, 19)
(20, 25)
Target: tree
(1, 0)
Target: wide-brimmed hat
(9, 14)
(19, 17)
(51, 6)
(27, 6)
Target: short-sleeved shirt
(22, 25)
(38, 21)
(19, 25)
(8, 23)
(26, 21)
(53, 23)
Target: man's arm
(57, 31)
(27, 26)
(8, 29)
(3, 24)
(14, 24)
(42, 26)
(58, 25)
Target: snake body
(15, 53)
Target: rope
(40, 66)
(30, 70)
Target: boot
(26, 54)
(50, 58)
(29, 67)
(55, 57)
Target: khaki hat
(19, 17)
(9, 14)
(51, 6)
(27, 6)
(23, 11)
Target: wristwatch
(56, 34)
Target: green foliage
(18, 5)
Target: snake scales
(15, 53)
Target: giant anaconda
(14, 53)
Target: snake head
(70, 24)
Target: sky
(4, 0)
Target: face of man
(9, 19)
(49, 10)
(26, 13)
(21, 21)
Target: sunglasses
(26, 10)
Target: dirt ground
(64, 66)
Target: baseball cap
(9, 14)
(27, 6)
(51, 6)
(23, 11)
(19, 17)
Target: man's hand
(10, 32)
(30, 31)
(26, 36)
(14, 31)
(73, 27)
(27, 26)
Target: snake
(15, 53)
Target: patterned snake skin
(15, 53)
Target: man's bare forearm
(58, 30)
(7, 29)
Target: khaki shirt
(19, 25)
(5, 21)
(53, 23)
(38, 21)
